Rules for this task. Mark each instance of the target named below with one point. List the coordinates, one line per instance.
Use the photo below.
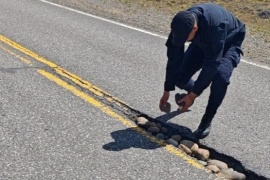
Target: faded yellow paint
(17, 56)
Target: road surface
(54, 130)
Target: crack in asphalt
(2, 112)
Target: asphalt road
(49, 133)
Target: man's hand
(188, 101)
(164, 99)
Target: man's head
(184, 27)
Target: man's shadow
(129, 138)
(171, 114)
(185, 132)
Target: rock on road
(47, 132)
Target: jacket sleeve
(213, 55)
(175, 56)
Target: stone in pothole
(191, 145)
(172, 142)
(231, 174)
(201, 154)
(176, 138)
(154, 130)
(160, 136)
(159, 125)
(164, 130)
(221, 165)
(213, 168)
(185, 149)
(143, 122)
(153, 124)
(202, 162)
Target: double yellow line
(93, 89)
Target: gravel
(265, 14)
(256, 46)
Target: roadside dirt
(156, 15)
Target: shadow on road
(129, 138)
(185, 132)
(166, 117)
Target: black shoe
(204, 127)
(202, 132)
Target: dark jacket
(218, 30)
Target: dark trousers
(193, 62)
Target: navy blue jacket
(218, 28)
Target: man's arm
(175, 56)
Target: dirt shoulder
(156, 15)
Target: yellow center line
(83, 83)
(63, 72)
